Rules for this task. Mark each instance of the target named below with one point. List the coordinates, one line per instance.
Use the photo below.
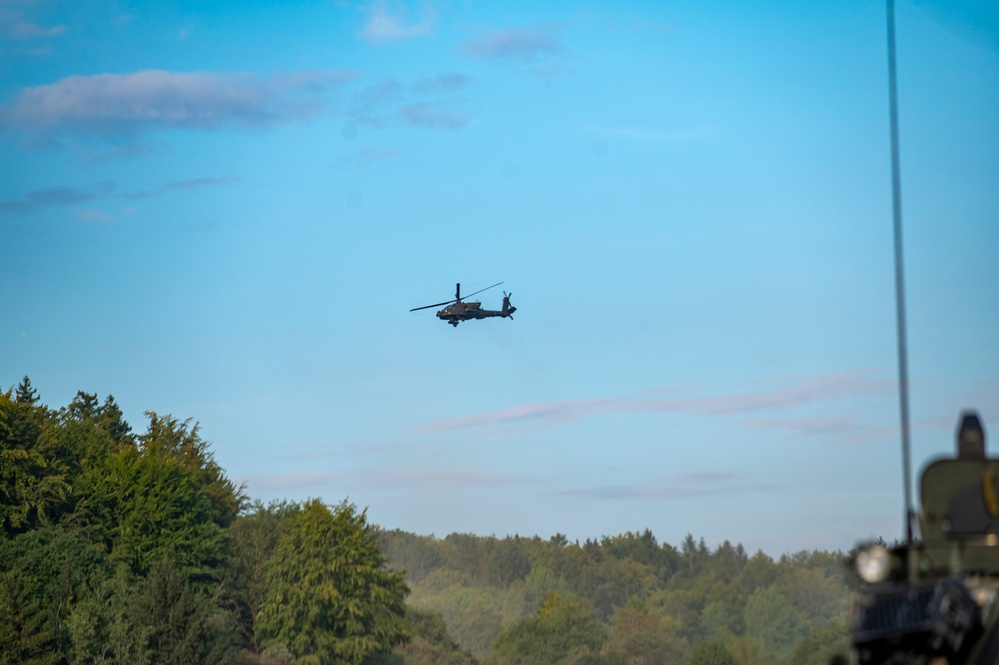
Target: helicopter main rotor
(457, 296)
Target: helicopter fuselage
(466, 311)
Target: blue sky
(225, 212)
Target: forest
(126, 547)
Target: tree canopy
(119, 546)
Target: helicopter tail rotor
(508, 309)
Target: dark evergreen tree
(329, 597)
(25, 393)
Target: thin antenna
(896, 199)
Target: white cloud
(94, 215)
(26, 30)
(426, 103)
(431, 115)
(546, 414)
(524, 44)
(384, 24)
(442, 83)
(110, 105)
(62, 196)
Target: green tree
(758, 572)
(43, 573)
(417, 555)
(770, 618)
(749, 650)
(25, 636)
(183, 624)
(431, 644)
(694, 555)
(103, 625)
(507, 563)
(642, 636)
(34, 486)
(819, 647)
(727, 561)
(181, 441)
(712, 652)
(473, 617)
(329, 597)
(718, 620)
(252, 539)
(159, 618)
(561, 630)
(464, 552)
(163, 496)
(819, 595)
(644, 549)
(539, 582)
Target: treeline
(129, 548)
(626, 600)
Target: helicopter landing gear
(453, 323)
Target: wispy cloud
(835, 426)
(431, 115)
(25, 30)
(547, 414)
(65, 196)
(703, 478)
(442, 83)
(427, 103)
(50, 197)
(95, 216)
(845, 430)
(390, 22)
(193, 183)
(366, 157)
(444, 479)
(716, 484)
(17, 22)
(523, 44)
(56, 196)
(368, 107)
(14, 207)
(116, 105)
(104, 152)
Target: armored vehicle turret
(933, 600)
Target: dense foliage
(125, 548)
(117, 547)
(626, 599)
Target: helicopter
(457, 310)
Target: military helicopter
(458, 310)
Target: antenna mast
(896, 199)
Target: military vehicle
(934, 600)
(458, 310)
